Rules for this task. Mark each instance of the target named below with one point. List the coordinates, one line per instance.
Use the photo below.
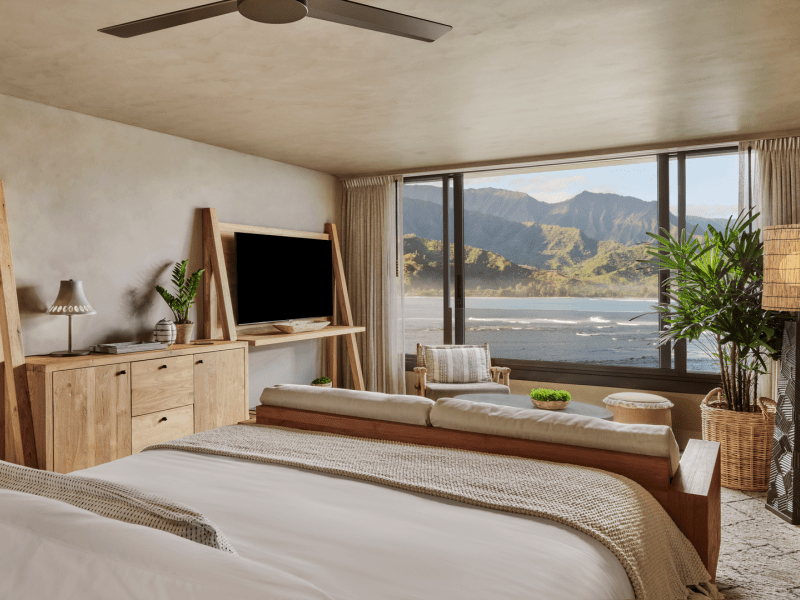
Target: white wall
(116, 206)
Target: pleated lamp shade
(781, 268)
(71, 300)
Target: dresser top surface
(60, 363)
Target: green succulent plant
(321, 380)
(186, 290)
(548, 395)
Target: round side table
(639, 408)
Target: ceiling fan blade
(376, 19)
(173, 19)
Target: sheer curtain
(769, 181)
(372, 240)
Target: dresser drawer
(161, 426)
(161, 384)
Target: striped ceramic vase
(165, 332)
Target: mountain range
(589, 245)
(603, 217)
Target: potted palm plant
(182, 300)
(715, 290)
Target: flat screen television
(281, 278)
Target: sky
(712, 183)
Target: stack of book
(125, 347)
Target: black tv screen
(281, 278)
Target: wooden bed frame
(691, 497)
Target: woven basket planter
(746, 441)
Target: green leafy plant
(547, 395)
(186, 290)
(715, 287)
(321, 380)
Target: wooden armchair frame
(421, 376)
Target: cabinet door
(91, 416)
(219, 389)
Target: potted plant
(550, 399)
(322, 382)
(715, 287)
(181, 302)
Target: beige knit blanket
(659, 560)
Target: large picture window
(544, 263)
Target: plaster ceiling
(514, 78)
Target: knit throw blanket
(660, 562)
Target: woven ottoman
(635, 407)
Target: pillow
(556, 428)
(457, 364)
(115, 501)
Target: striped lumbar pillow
(457, 364)
(115, 501)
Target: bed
(301, 533)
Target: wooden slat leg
(17, 395)
(355, 362)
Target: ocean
(598, 331)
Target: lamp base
(70, 353)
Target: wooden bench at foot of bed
(691, 497)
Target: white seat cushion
(413, 410)
(546, 426)
(637, 400)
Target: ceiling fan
(289, 11)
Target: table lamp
(71, 301)
(782, 292)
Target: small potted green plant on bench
(550, 399)
(322, 382)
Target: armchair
(434, 389)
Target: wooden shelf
(266, 339)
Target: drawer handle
(163, 366)
(162, 419)
(123, 372)
(199, 362)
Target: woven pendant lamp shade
(781, 268)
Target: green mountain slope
(602, 217)
(612, 272)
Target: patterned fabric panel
(114, 501)
(458, 364)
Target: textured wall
(116, 206)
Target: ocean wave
(598, 320)
(639, 323)
(587, 334)
(521, 322)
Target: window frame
(670, 376)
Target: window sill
(636, 378)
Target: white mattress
(361, 541)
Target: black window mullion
(448, 311)
(680, 345)
(662, 165)
(458, 256)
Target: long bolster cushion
(413, 410)
(547, 426)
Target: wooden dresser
(89, 410)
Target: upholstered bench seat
(448, 390)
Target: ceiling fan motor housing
(273, 11)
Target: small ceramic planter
(184, 333)
(550, 405)
(165, 332)
(329, 384)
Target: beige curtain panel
(373, 264)
(769, 171)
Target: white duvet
(298, 532)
